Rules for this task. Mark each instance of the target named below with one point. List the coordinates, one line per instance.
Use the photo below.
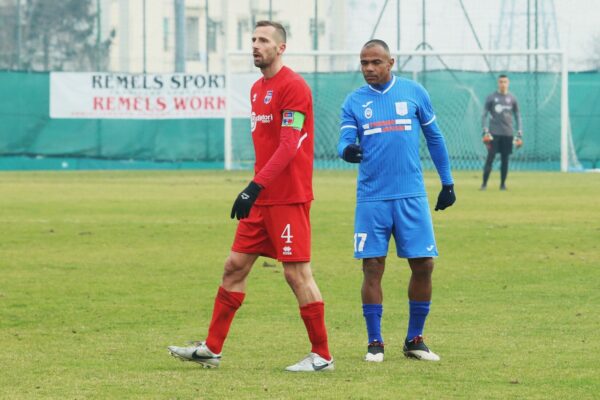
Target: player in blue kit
(380, 129)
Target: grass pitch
(100, 271)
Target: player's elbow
(433, 136)
(287, 152)
(290, 142)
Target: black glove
(352, 154)
(446, 197)
(243, 203)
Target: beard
(263, 61)
(260, 63)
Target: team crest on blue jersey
(401, 108)
(268, 96)
(368, 112)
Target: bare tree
(8, 34)
(55, 36)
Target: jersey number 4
(287, 233)
(359, 241)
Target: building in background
(146, 31)
(149, 35)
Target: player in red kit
(274, 209)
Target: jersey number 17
(359, 241)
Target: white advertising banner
(144, 96)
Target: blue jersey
(386, 121)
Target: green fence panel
(30, 139)
(584, 106)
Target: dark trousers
(502, 145)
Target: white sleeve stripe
(301, 140)
(429, 122)
(348, 126)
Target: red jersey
(286, 91)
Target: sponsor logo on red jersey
(262, 118)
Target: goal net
(458, 84)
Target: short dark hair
(278, 28)
(377, 42)
(502, 76)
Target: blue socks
(418, 311)
(416, 321)
(372, 314)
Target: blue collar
(384, 87)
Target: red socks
(226, 304)
(313, 315)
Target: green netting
(28, 134)
(458, 99)
(584, 106)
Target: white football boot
(416, 348)
(199, 354)
(374, 352)
(312, 363)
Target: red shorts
(280, 231)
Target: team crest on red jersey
(268, 96)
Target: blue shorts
(408, 219)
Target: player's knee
(373, 269)
(294, 279)
(297, 275)
(234, 267)
(375, 263)
(291, 277)
(421, 268)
